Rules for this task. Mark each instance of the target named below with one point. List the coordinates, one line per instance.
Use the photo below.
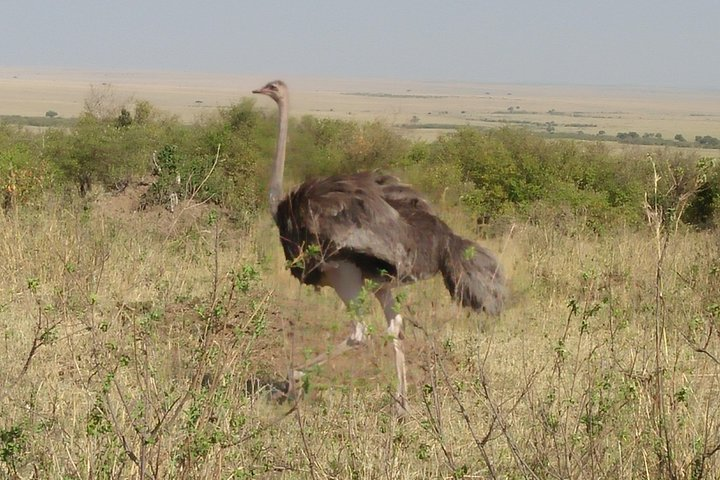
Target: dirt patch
(121, 203)
(128, 205)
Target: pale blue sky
(614, 42)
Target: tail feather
(473, 276)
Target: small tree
(143, 112)
(51, 114)
(124, 119)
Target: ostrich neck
(276, 180)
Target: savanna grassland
(146, 309)
(421, 110)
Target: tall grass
(128, 340)
(152, 344)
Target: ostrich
(351, 231)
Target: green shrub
(321, 147)
(217, 160)
(108, 150)
(24, 174)
(93, 151)
(512, 170)
(225, 158)
(704, 209)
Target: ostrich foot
(294, 384)
(402, 410)
(278, 391)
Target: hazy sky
(612, 42)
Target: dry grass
(128, 338)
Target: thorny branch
(704, 347)
(480, 443)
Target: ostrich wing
(351, 216)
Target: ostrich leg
(346, 279)
(394, 321)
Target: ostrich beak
(260, 90)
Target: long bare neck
(276, 180)
(276, 191)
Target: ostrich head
(277, 90)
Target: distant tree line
(656, 139)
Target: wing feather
(354, 215)
(348, 215)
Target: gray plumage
(389, 231)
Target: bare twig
(306, 447)
(436, 421)
(41, 337)
(192, 196)
(503, 427)
(480, 443)
(118, 431)
(703, 348)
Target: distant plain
(423, 109)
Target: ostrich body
(343, 230)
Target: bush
(703, 210)
(24, 174)
(483, 162)
(321, 147)
(98, 151)
(511, 170)
(224, 158)
(217, 160)
(707, 141)
(110, 150)
(244, 140)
